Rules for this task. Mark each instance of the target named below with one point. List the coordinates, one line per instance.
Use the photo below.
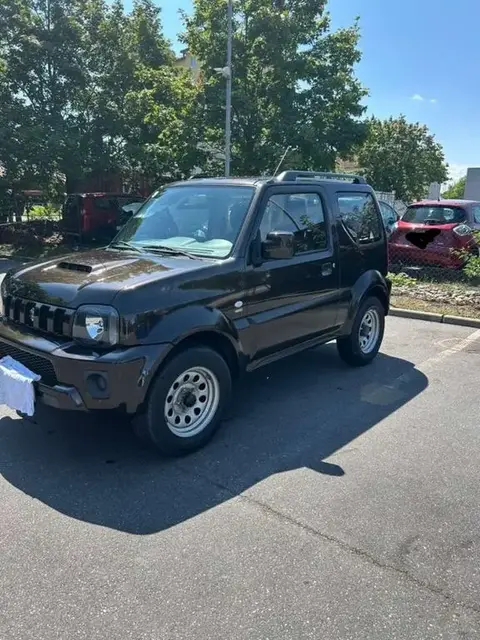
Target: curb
(16, 258)
(435, 317)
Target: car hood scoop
(75, 266)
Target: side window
(476, 213)
(302, 214)
(388, 214)
(103, 204)
(359, 215)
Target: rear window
(434, 215)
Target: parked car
(389, 215)
(436, 233)
(88, 216)
(211, 279)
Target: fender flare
(369, 283)
(196, 324)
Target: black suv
(211, 278)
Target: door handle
(327, 269)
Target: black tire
(349, 347)
(153, 427)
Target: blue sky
(418, 59)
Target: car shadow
(291, 415)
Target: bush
(471, 258)
(472, 268)
(44, 212)
(402, 280)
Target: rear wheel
(365, 339)
(186, 402)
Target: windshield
(203, 220)
(434, 214)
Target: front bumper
(80, 380)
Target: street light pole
(228, 104)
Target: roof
(287, 177)
(445, 203)
(247, 181)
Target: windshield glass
(434, 214)
(203, 220)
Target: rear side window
(360, 217)
(434, 215)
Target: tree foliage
(86, 86)
(402, 157)
(293, 81)
(456, 191)
(74, 77)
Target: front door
(293, 300)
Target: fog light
(97, 385)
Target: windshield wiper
(173, 252)
(121, 244)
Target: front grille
(42, 317)
(38, 364)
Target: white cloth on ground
(16, 388)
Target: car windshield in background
(434, 215)
(203, 220)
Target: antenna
(281, 161)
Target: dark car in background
(95, 216)
(389, 216)
(436, 233)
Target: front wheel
(365, 339)
(187, 401)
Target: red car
(95, 215)
(433, 232)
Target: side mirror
(279, 245)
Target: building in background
(190, 63)
(434, 191)
(472, 186)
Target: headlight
(96, 324)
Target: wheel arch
(370, 283)
(215, 340)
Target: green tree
(293, 82)
(456, 190)
(402, 157)
(87, 87)
(41, 69)
(163, 122)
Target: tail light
(462, 230)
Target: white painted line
(386, 394)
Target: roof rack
(294, 176)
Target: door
(293, 300)
(361, 241)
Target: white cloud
(417, 97)
(433, 100)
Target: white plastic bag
(16, 386)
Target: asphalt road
(336, 503)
